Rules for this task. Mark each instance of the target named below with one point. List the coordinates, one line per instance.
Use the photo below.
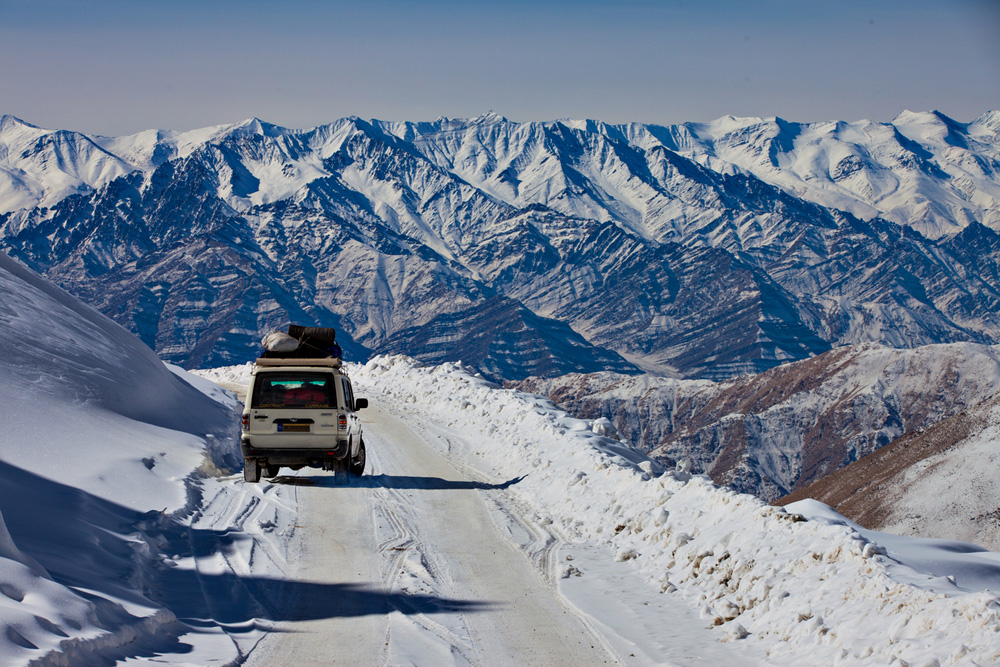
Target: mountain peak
(255, 125)
(9, 122)
(989, 121)
(489, 118)
(729, 123)
(935, 117)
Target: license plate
(296, 428)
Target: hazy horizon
(112, 68)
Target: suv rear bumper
(283, 456)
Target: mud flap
(251, 470)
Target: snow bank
(236, 378)
(818, 590)
(100, 442)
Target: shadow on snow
(110, 554)
(393, 482)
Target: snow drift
(98, 440)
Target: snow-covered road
(429, 558)
(493, 528)
(417, 570)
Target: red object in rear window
(306, 396)
(294, 389)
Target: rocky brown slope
(779, 431)
(939, 481)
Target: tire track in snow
(446, 585)
(408, 565)
(449, 513)
(212, 566)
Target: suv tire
(357, 465)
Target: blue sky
(120, 66)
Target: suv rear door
(293, 409)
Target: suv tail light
(245, 422)
(342, 422)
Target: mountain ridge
(649, 253)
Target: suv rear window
(294, 390)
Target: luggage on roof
(319, 334)
(301, 343)
(279, 342)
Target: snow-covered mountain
(41, 167)
(695, 250)
(784, 429)
(924, 170)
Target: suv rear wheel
(357, 464)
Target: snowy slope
(62, 356)
(821, 590)
(923, 499)
(931, 481)
(98, 443)
(923, 169)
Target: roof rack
(326, 362)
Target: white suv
(301, 412)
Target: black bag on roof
(318, 334)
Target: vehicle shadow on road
(432, 483)
(308, 600)
(396, 482)
(250, 597)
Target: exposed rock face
(786, 428)
(938, 480)
(504, 339)
(610, 247)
